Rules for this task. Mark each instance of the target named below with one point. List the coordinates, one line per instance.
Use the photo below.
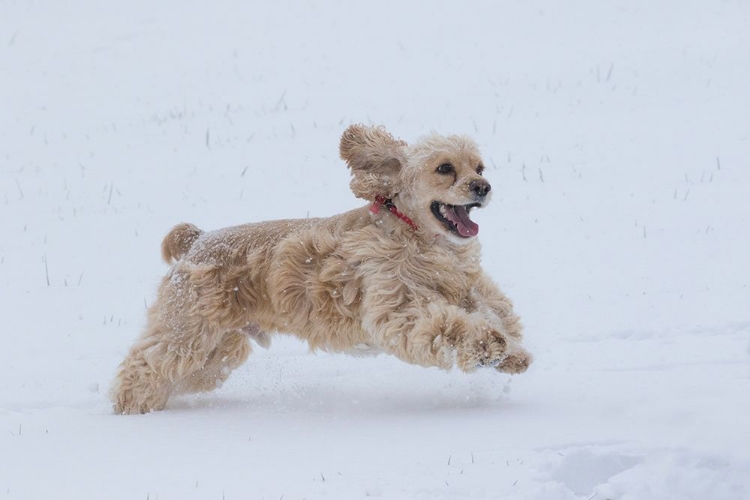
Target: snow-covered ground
(617, 136)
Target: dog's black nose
(480, 187)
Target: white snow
(617, 140)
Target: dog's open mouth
(456, 218)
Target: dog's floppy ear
(375, 159)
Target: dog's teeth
(442, 209)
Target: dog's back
(232, 245)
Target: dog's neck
(381, 201)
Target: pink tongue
(460, 217)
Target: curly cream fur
(178, 241)
(356, 281)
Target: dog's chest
(429, 273)
(451, 278)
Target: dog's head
(435, 182)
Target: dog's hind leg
(232, 351)
(198, 307)
(172, 347)
(153, 367)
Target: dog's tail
(178, 241)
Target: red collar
(381, 201)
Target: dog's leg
(154, 365)
(444, 335)
(171, 348)
(486, 294)
(232, 351)
(197, 307)
(490, 345)
(138, 388)
(498, 311)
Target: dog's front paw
(477, 352)
(516, 361)
(493, 350)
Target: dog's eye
(445, 168)
(480, 169)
